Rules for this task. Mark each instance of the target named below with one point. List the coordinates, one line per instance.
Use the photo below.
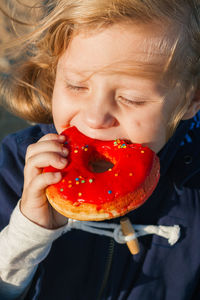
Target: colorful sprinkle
(116, 174)
(77, 179)
(109, 192)
(130, 174)
(77, 182)
(90, 180)
(117, 142)
(109, 170)
(61, 190)
(120, 144)
(75, 151)
(142, 151)
(69, 186)
(69, 181)
(85, 148)
(80, 194)
(82, 181)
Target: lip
(93, 134)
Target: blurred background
(8, 122)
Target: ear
(194, 106)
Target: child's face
(111, 104)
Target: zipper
(107, 268)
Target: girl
(125, 69)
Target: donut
(89, 194)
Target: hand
(48, 151)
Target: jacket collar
(180, 156)
(169, 151)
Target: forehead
(123, 48)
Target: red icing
(132, 164)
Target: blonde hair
(31, 81)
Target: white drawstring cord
(172, 233)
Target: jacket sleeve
(23, 245)
(12, 158)
(11, 177)
(17, 232)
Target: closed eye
(75, 87)
(137, 102)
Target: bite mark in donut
(83, 194)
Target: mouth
(98, 134)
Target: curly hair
(28, 88)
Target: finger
(46, 146)
(35, 164)
(37, 187)
(52, 136)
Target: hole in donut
(100, 165)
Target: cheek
(59, 110)
(150, 119)
(63, 108)
(149, 127)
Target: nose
(99, 113)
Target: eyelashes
(138, 102)
(132, 102)
(74, 87)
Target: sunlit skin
(112, 105)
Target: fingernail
(65, 152)
(63, 160)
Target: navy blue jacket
(85, 266)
